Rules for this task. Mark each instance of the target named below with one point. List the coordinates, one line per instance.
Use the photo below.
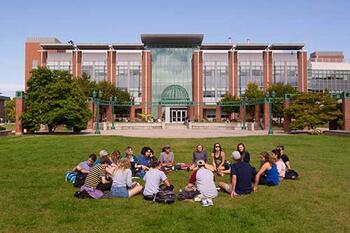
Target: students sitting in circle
(267, 174)
(85, 166)
(96, 182)
(166, 158)
(153, 179)
(122, 184)
(242, 175)
(132, 158)
(218, 159)
(244, 153)
(198, 154)
(203, 179)
(281, 167)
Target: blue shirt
(272, 175)
(245, 174)
(145, 161)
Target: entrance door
(178, 115)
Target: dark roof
(217, 46)
(287, 46)
(251, 46)
(4, 97)
(172, 39)
(327, 53)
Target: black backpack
(165, 196)
(82, 195)
(79, 180)
(185, 195)
(291, 175)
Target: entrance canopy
(175, 95)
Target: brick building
(175, 76)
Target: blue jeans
(120, 192)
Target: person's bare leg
(224, 186)
(137, 189)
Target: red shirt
(193, 178)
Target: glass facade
(170, 65)
(129, 77)
(250, 72)
(331, 80)
(97, 70)
(285, 72)
(215, 75)
(59, 61)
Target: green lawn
(35, 198)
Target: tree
(10, 110)
(312, 109)
(253, 93)
(53, 99)
(231, 102)
(108, 90)
(280, 90)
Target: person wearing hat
(203, 179)
(166, 157)
(242, 175)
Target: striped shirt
(94, 176)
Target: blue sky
(321, 25)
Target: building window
(129, 77)
(250, 72)
(97, 70)
(215, 83)
(285, 72)
(60, 65)
(331, 80)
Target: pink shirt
(281, 168)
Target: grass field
(35, 198)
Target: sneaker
(210, 202)
(198, 198)
(205, 202)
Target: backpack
(165, 196)
(70, 177)
(291, 175)
(186, 194)
(82, 195)
(79, 180)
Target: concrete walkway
(184, 133)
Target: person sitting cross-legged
(96, 182)
(122, 184)
(203, 179)
(153, 179)
(242, 175)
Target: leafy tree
(10, 110)
(280, 90)
(53, 99)
(230, 99)
(312, 109)
(253, 93)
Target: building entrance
(178, 115)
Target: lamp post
(113, 100)
(96, 98)
(244, 111)
(270, 99)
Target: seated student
(166, 158)
(82, 169)
(242, 175)
(267, 174)
(122, 184)
(153, 179)
(97, 176)
(281, 167)
(145, 157)
(132, 158)
(101, 154)
(85, 166)
(114, 158)
(244, 153)
(290, 174)
(203, 179)
(218, 159)
(198, 154)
